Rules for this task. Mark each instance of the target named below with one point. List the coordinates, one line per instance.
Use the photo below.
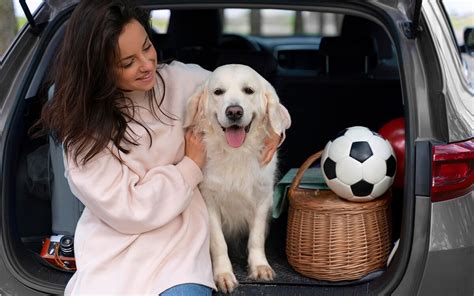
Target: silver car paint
(457, 90)
(449, 263)
(438, 227)
(452, 225)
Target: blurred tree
(8, 24)
(255, 22)
(299, 25)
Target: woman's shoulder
(180, 66)
(181, 71)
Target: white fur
(237, 189)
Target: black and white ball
(358, 165)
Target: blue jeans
(188, 290)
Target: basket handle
(299, 175)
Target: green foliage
(462, 22)
(20, 22)
(159, 24)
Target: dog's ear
(273, 109)
(195, 106)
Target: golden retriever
(236, 109)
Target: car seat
(66, 209)
(348, 55)
(261, 61)
(193, 36)
(386, 65)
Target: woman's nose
(146, 65)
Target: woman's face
(137, 59)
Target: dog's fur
(238, 190)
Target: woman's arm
(115, 193)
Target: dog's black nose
(234, 112)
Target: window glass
(461, 16)
(160, 20)
(323, 24)
(266, 22)
(12, 20)
(278, 22)
(237, 21)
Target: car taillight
(452, 170)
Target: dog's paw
(226, 282)
(262, 272)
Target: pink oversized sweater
(145, 225)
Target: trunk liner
(287, 281)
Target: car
(371, 62)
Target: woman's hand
(195, 148)
(271, 144)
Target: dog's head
(234, 100)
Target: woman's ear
(273, 109)
(195, 106)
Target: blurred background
(264, 22)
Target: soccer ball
(358, 165)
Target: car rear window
(267, 22)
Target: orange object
(51, 253)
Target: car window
(12, 20)
(160, 20)
(461, 16)
(267, 22)
(274, 22)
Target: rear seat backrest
(66, 209)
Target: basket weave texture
(332, 239)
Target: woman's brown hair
(87, 110)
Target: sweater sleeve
(130, 205)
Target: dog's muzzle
(235, 134)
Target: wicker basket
(332, 239)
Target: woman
(119, 117)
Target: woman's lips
(147, 77)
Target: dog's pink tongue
(235, 136)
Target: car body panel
(450, 262)
(457, 90)
(452, 224)
(15, 63)
(448, 273)
(435, 236)
(412, 275)
(9, 285)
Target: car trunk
(321, 102)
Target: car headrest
(262, 62)
(348, 55)
(357, 27)
(195, 28)
(347, 46)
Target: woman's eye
(218, 91)
(248, 90)
(147, 47)
(127, 65)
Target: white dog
(236, 109)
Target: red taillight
(453, 170)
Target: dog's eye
(218, 91)
(248, 90)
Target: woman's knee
(188, 290)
